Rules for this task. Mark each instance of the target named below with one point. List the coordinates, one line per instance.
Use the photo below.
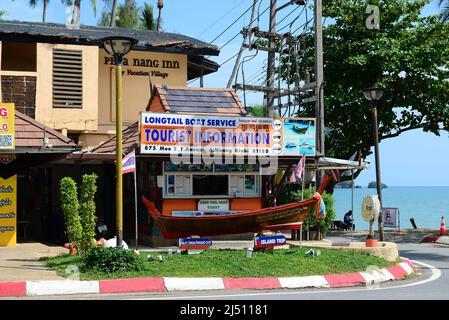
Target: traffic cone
(442, 227)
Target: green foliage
(110, 260)
(2, 14)
(257, 111)
(70, 207)
(87, 210)
(292, 192)
(409, 57)
(128, 15)
(147, 17)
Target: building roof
(201, 101)
(90, 35)
(130, 141)
(30, 134)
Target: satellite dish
(370, 208)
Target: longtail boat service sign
(269, 241)
(7, 136)
(162, 133)
(8, 211)
(194, 243)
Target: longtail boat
(283, 217)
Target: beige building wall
(139, 69)
(70, 119)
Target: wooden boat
(301, 130)
(283, 217)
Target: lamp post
(374, 95)
(118, 47)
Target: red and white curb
(62, 287)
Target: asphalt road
(431, 283)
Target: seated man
(348, 220)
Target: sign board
(194, 243)
(269, 241)
(212, 205)
(390, 217)
(162, 133)
(8, 211)
(7, 132)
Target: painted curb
(68, 287)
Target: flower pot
(370, 243)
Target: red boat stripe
(251, 283)
(13, 289)
(132, 285)
(397, 271)
(344, 280)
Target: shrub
(70, 207)
(87, 210)
(110, 260)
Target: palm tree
(33, 4)
(160, 5)
(78, 4)
(114, 12)
(444, 16)
(147, 18)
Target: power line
(234, 22)
(221, 18)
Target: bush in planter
(70, 207)
(87, 210)
(108, 260)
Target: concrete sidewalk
(22, 263)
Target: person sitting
(348, 220)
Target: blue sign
(194, 243)
(269, 241)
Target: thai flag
(129, 163)
(296, 175)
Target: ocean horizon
(425, 204)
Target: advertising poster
(8, 211)
(162, 133)
(7, 135)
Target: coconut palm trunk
(160, 5)
(44, 11)
(114, 13)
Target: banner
(8, 211)
(7, 133)
(162, 133)
(269, 241)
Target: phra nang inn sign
(162, 133)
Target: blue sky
(413, 159)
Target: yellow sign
(8, 211)
(7, 133)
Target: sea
(426, 205)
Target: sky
(413, 159)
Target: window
(210, 185)
(18, 56)
(67, 78)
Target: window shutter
(67, 78)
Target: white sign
(213, 205)
(390, 217)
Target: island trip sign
(162, 133)
(7, 136)
(269, 241)
(8, 211)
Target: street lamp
(118, 47)
(374, 95)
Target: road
(432, 262)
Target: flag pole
(303, 178)
(135, 199)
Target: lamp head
(374, 94)
(118, 46)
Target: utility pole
(239, 56)
(271, 59)
(319, 76)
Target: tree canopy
(408, 56)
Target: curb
(67, 287)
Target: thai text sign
(7, 136)
(162, 133)
(194, 243)
(390, 217)
(269, 241)
(8, 211)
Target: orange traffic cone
(442, 227)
